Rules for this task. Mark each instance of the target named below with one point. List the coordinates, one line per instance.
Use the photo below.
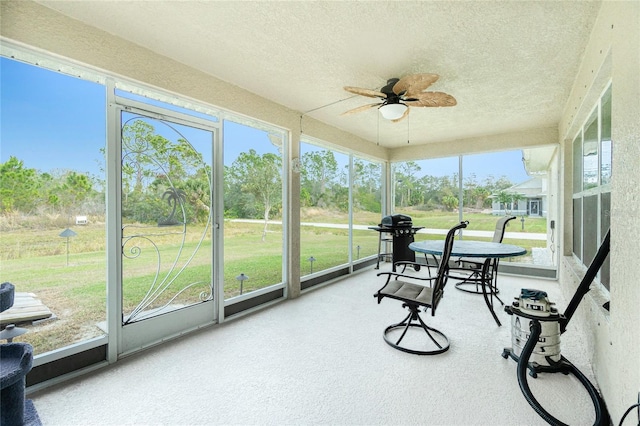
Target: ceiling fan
(401, 93)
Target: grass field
(74, 286)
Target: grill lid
(397, 221)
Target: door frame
(124, 340)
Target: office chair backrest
(501, 224)
(443, 268)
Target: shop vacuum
(535, 336)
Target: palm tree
(509, 200)
(173, 196)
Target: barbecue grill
(401, 230)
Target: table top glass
(469, 248)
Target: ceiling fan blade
(365, 92)
(432, 99)
(413, 84)
(361, 108)
(406, 112)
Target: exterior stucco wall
(553, 207)
(613, 339)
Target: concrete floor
(321, 359)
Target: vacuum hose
(602, 415)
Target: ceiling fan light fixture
(392, 111)
(399, 96)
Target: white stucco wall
(613, 339)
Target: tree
(158, 172)
(406, 180)
(515, 198)
(430, 190)
(367, 176)
(75, 188)
(147, 156)
(494, 186)
(480, 195)
(18, 186)
(508, 200)
(198, 193)
(136, 143)
(319, 168)
(366, 185)
(469, 190)
(450, 202)
(174, 197)
(260, 176)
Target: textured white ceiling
(509, 64)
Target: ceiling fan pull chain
(408, 118)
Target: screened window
(324, 205)
(590, 154)
(427, 191)
(592, 171)
(253, 206)
(52, 204)
(366, 206)
(340, 199)
(439, 193)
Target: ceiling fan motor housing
(388, 89)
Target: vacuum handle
(583, 288)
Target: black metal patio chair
(418, 293)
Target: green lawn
(36, 261)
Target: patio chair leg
(488, 298)
(414, 320)
(406, 323)
(474, 279)
(428, 330)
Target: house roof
(528, 188)
(510, 65)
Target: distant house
(533, 202)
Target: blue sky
(53, 121)
(47, 125)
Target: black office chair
(469, 270)
(413, 295)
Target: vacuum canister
(530, 305)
